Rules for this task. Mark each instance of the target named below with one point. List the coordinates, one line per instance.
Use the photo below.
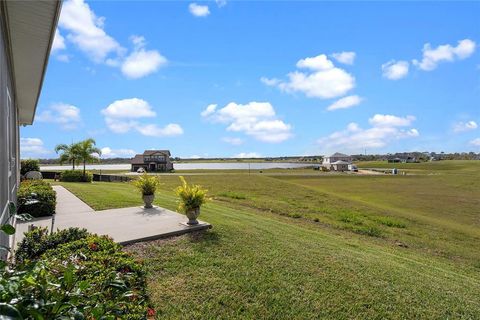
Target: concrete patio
(125, 225)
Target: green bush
(76, 176)
(147, 185)
(37, 198)
(191, 196)
(89, 278)
(29, 165)
(38, 241)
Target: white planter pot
(192, 215)
(148, 200)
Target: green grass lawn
(335, 246)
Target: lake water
(195, 166)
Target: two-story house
(152, 161)
(337, 162)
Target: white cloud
(323, 81)
(270, 82)
(119, 125)
(345, 103)
(129, 108)
(58, 42)
(66, 115)
(86, 30)
(444, 53)
(233, 141)
(63, 57)
(210, 109)
(319, 62)
(345, 57)
(475, 142)
(152, 130)
(386, 120)
(256, 119)
(32, 147)
(385, 130)
(121, 116)
(141, 62)
(198, 10)
(108, 152)
(395, 70)
(247, 155)
(464, 126)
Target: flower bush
(88, 278)
(191, 196)
(37, 198)
(146, 184)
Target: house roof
(30, 30)
(338, 155)
(138, 159)
(340, 162)
(150, 152)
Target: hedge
(88, 278)
(43, 195)
(29, 165)
(76, 176)
(38, 241)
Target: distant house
(407, 159)
(337, 162)
(337, 156)
(152, 161)
(340, 165)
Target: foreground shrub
(38, 241)
(76, 176)
(29, 165)
(89, 278)
(37, 198)
(191, 196)
(147, 185)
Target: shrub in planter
(192, 197)
(76, 176)
(90, 278)
(38, 241)
(147, 185)
(29, 165)
(43, 195)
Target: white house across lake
(337, 162)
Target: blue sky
(243, 78)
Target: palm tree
(87, 152)
(69, 153)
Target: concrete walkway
(125, 225)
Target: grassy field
(310, 246)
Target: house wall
(9, 136)
(160, 161)
(340, 167)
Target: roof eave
(19, 29)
